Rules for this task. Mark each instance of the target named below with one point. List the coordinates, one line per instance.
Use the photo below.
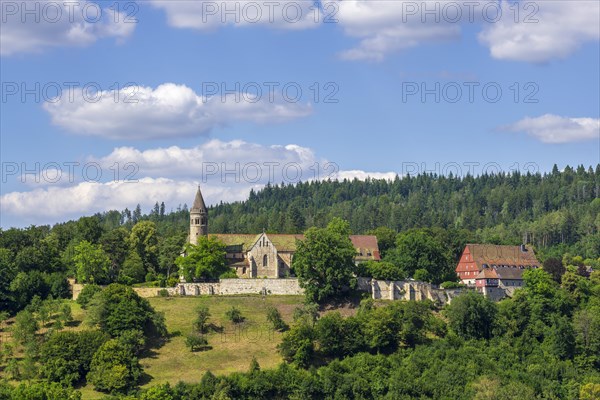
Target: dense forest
(542, 343)
(557, 208)
(557, 212)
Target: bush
(196, 341)
(86, 294)
(228, 275)
(163, 293)
(234, 315)
(172, 281)
(150, 277)
(451, 285)
(274, 318)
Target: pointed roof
(198, 205)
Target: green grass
(232, 350)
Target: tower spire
(198, 218)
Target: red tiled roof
(491, 254)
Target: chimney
(523, 248)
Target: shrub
(172, 281)
(228, 275)
(150, 277)
(86, 294)
(274, 318)
(234, 315)
(163, 293)
(451, 285)
(196, 341)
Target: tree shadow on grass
(145, 379)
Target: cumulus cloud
(210, 15)
(29, 27)
(551, 128)
(235, 161)
(227, 171)
(543, 31)
(170, 110)
(385, 27)
(54, 204)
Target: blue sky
(374, 61)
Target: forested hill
(554, 208)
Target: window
(265, 261)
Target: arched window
(265, 261)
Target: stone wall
(256, 286)
(407, 290)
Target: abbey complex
(265, 255)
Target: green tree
(385, 270)
(472, 316)
(86, 294)
(119, 308)
(91, 262)
(144, 240)
(275, 319)
(202, 317)
(114, 368)
(234, 315)
(25, 327)
(419, 249)
(205, 260)
(386, 238)
(324, 261)
(133, 269)
(89, 229)
(8, 272)
(115, 243)
(67, 355)
(196, 341)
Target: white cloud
(550, 128)
(35, 26)
(168, 111)
(523, 31)
(210, 15)
(218, 161)
(543, 31)
(390, 26)
(55, 204)
(227, 171)
(362, 175)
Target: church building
(265, 255)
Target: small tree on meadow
(234, 315)
(202, 316)
(275, 319)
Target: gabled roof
(365, 244)
(490, 255)
(510, 273)
(487, 273)
(245, 241)
(198, 205)
(283, 242)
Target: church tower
(198, 218)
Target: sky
(110, 104)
